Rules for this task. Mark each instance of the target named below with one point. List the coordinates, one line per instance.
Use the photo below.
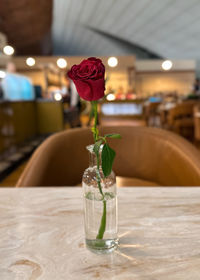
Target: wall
(149, 83)
(118, 76)
(151, 78)
(147, 75)
(117, 80)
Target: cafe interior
(150, 50)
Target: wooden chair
(151, 113)
(197, 122)
(180, 119)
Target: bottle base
(102, 246)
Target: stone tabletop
(42, 237)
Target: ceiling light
(110, 97)
(62, 63)
(30, 61)
(2, 74)
(112, 61)
(167, 65)
(8, 50)
(57, 96)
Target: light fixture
(57, 96)
(110, 97)
(167, 65)
(2, 74)
(8, 50)
(62, 63)
(112, 61)
(30, 61)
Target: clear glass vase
(100, 207)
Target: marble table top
(42, 236)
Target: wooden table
(42, 237)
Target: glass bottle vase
(100, 207)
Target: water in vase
(95, 205)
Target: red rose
(88, 77)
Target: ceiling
(148, 28)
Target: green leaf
(107, 159)
(113, 135)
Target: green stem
(95, 131)
(103, 222)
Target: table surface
(42, 236)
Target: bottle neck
(92, 157)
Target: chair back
(197, 122)
(145, 153)
(181, 111)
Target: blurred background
(150, 49)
